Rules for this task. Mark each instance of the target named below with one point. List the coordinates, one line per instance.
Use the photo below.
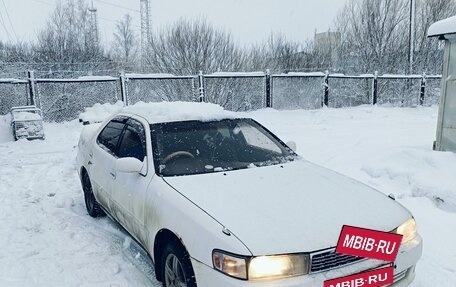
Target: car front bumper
(404, 273)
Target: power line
(117, 21)
(9, 19)
(118, 6)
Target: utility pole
(411, 36)
(93, 25)
(145, 28)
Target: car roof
(178, 111)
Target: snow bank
(387, 148)
(445, 26)
(159, 112)
(417, 171)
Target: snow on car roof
(158, 112)
(178, 111)
(99, 112)
(442, 27)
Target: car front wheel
(176, 267)
(93, 208)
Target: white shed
(446, 126)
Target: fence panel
(13, 93)
(63, 100)
(160, 87)
(432, 92)
(346, 91)
(401, 91)
(295, 91)
(236, 91)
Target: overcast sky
(249, 21)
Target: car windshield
(195, 147)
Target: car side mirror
(292, 145)
(129, 165)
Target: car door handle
(89, 163)
(113, 175)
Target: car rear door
(103, 157)
(129, 194)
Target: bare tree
(429, 51)
(374, 35)
(125, 42)
(189, 46)
(68, 40)
(280, 55)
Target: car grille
(329, 259)
(401, 275)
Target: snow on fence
(64, 99)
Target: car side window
(133, 143)
(109, 136)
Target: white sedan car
(218, 200)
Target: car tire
(176, 267)
(93, 207)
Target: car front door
(129, 194)
(102, 158)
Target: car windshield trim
(200, 147)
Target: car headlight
(408, 230)
(261, 267)
(279, 266)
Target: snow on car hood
(294, 207)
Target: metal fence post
(326, 97)
(201, 87)
(268, 89)
(375, 89)
(194, 96)
(31, 80)
(422, 89)
(123, 89)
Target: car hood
(289, 208)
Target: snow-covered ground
(48, 239)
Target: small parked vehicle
(27, 123)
